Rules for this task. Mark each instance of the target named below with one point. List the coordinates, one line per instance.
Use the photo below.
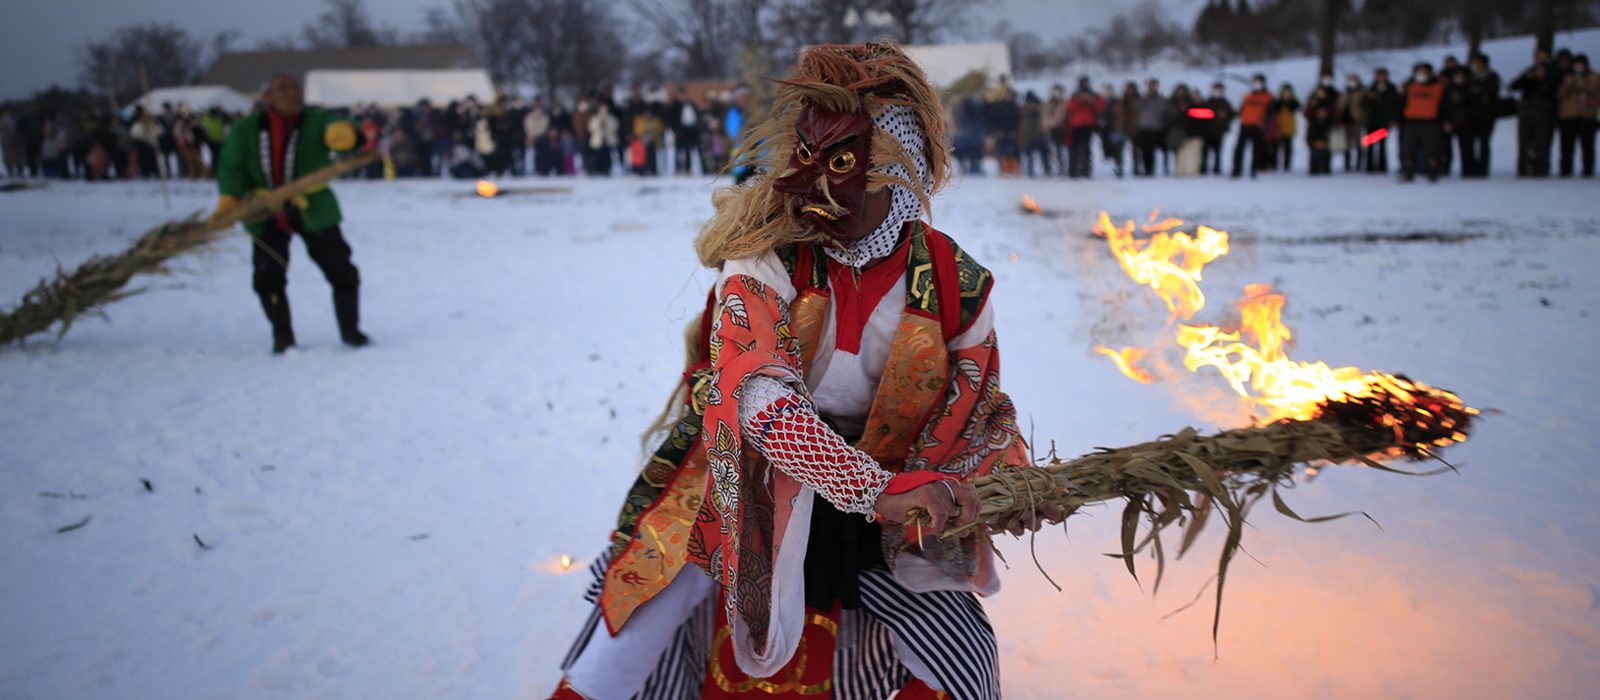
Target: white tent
(199, 98)
(944, 64)
(395, 88)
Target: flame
(1253, 358)
(487, 189)
(1127, 360)
(1169, 263)
(566, 562)
(1030, 206)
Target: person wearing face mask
(1351, 115)
(844, 372)
(1427, 120)
(1483, 105)
(1580, 101)
(1216, 128)
(1383, 111)
(1252, 127)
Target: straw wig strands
(752, 219)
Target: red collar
(856, 294)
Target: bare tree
(701, 30)
(922, 21)
(168, 54)
(345, 24)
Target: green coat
(240, 172)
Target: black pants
(1321, 161)
(683, 147)
(327, 248)
(1579, 132)
(1249, 136)
(1080, 153)
(1145, 145)
(1286, 149)
(1112, 143)
(1475, 149)
(1378, 155)
(1420, 143)
(1211, 156)
(1533, 145)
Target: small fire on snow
(1030, 206)
(487, 189)
(1253, 357)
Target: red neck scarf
(857, 293)
(280, 126)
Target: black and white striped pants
(942, 637)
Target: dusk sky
(39, 41)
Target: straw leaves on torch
(1185, 478)
(102, 279)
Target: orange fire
(1253, 358)
(1030, 206)
(1127, 360)
(1169, 263)
(487, 189)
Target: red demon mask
(831, 150)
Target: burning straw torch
(1311, 414)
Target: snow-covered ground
(389, 522)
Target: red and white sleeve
(786, 429)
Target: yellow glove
(340, 136)
(224, 203)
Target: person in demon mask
(843, 377)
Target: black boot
(277, 307)
(347, 308)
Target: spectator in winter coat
(1152, 108)
(1030, 135)
(1217, 127)
(684, 119)
(971, 125)
(1188, 132)
(1483, 103)
(1083, 118)
(1053, 120)
(1536, 115)
(1351, 115)
(534, 124)
(1253, 111)
(1383, 111)
(1427, 117)
(1285, 113)
(1580, 101)
(602, 134)
(1124, 110)
(1320, 110)
(11, 145)
(1004, 119)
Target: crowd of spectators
(1443, 121)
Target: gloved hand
(339, 136)
(224, 203)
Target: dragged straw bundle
(1183, 478)
(101, 280)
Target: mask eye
(842, 162)
(804, 154)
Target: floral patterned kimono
(915, 375)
